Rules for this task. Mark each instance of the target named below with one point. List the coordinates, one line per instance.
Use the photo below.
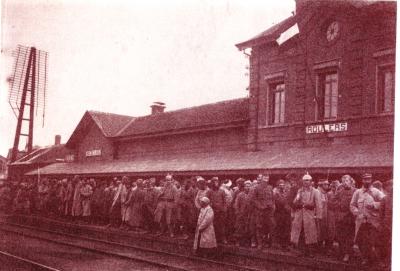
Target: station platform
(238, 255)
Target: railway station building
(321, 100)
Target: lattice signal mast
(27, 96)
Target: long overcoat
(205, 234)
(136, 203)
(86, 194)
(77, 200)
(308, 208)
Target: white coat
(205, 229)
(304, 218)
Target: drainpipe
(257, 99)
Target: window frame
(272, 91)
(379, 85)
(270, 80)
(320, 81)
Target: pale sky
(120, 56)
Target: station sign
(93, 153)
(326, 128)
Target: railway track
(13, 262)
(161, 259)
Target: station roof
(48, 154)
(207, 115)
(269, 35)
(220, 113)
(108, 123)
(336, 158)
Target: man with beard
(366, 207)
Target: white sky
(120, 56)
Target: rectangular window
(327, 92)
(386, 78)
(277, 104)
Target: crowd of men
(298, 213)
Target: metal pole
(21, 111)
(32, 103)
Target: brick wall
(94, 140)
(362, 43)
(210, 141)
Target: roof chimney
(57, 140)
(157, 107)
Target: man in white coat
(205, 242)
(306, 212)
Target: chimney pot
(157, 107)
(57, 140)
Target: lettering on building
(93, 153)
(326, 128)
(69, 158)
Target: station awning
(279, 160)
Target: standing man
(307, 207)
(115, 209)
(344, 218)
(366, 207)
(205, 242)
(77, 200)
(242, 208)
(263, 200)
(219, 205)
(202, 190)
(322, 222)
(282, 214)
(86, 194)
(166, 204)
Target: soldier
(201, 192)
(86, 194)
(21, 202)
(115, 209)
(322, 223)
(62, 195)
(344, 218)
(366, 207)
(77, 199)
(282, 214)
(135, 203)
(188, 208)
(166, 204)
(263, 199)
(219, 205)
(306, 206)
(242, 211)
(205, 242)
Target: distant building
(321, 100)
(38, 158)
(3, 167)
